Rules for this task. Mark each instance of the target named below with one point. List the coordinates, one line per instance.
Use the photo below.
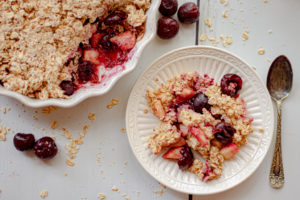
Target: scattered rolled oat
(66, 133)
(47, 110)
(266, 1)
(70, 162)
(3, 133)
(227, 41)
(146, 111)
(112, 103)
(44, 194)
(114, 188)
(245, 36)
(261, 51)
(92, 116)
(270, 31)
(224, 14)
(54, 125)
(224, 2)
(261, 130)
(207, 21)
(84, 131)
(162, 185)
(4, 110)
(123, 130)
(203, 37)
(101, 196)
(35, 118)
(159, 192)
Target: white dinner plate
(214, 62)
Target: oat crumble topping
(37, 38)
(184, 127)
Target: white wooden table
(22, 176)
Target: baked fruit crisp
(200, 115)
(49, 49)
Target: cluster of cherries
(223, 131)
(44, 148)
(167, 26)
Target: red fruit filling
(111, 41)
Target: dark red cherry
(45, 148)
(223, 132)
(23, 141)
(188, 13)
(231, 84)
(114, 18)
(200, 101)
(167, 27)
(168, 7)
(187, 158)
(85, 71)
(68, 86)
(106, 43)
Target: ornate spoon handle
(276, 172)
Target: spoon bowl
(280, 78)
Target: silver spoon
(279, 83)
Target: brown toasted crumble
(92, 116)
(115, 188)
(44, 194)
(54, 125)
(123, 130)
(101, 196)
(70, 162)
(146, 111)
(261, 130)
(261, 51)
